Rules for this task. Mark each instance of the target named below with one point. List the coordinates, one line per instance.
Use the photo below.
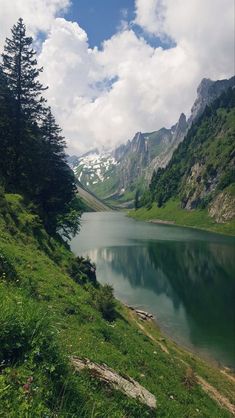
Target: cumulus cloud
(37, 14)
(151, 15)
(101, 97)
(206, 26)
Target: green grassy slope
(91, 201)
(203, 164)
(197, 187)
(172, 212)
(46, 316)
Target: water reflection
(189, 286)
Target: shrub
(82, 270)
(190, 378)
(227, 178)
(105, 302)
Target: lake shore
(147, 318)
(178, 352)
(160, 221)
(173, 214)
(151, 273)
(145, 267)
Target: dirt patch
(214, 394)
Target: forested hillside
(32, 158)
(201, 173)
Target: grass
(46, 317)
(172, 211)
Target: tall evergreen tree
(57, 182)
(20, 69)
(6, 132)
(32, 158)
(52, 133)
(21, 73)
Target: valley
(104, 315)
(116, 175)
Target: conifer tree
(20, 69)
(57, 181)
(32, 157)
(6, 132)
(52, 133)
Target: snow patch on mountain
(94, 165)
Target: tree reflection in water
(196, 276)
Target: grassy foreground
(172, 211)
(47, 316)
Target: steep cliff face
(133, 162)
(207, 92)
(202, 169)
(222, 209)
(171, 140)
(146, 152)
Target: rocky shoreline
(159, 221)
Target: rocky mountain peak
(93, 151)
(207, 92)
(138, 143)
(204, 86)
(120, 151)
(181, 125)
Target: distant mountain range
(115, 175)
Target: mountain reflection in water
(188, 285)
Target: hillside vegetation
(172, 212)
(201, 173)
(91, 202)
(52, 308)
(32, 159)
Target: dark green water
(186, 278)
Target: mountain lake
(183, 276)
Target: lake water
(184, 277)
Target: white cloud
(150, 15)
(37, 14)
(102, 97)
(207, 26)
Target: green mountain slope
(51, 310)
(201, 173)
(92, 203)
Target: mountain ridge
(130, 166)
(198, 184)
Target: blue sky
(101, 19)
